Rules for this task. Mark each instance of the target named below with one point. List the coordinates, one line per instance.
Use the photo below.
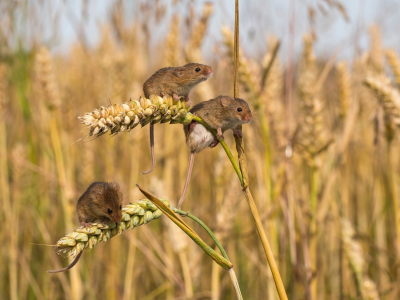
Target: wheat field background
(322, 152)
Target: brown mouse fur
(177, 82)
(97, 202)
(94, 205)
(221, 113)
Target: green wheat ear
(133, 215)
(126, 116)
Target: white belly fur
(199, 139)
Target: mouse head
(109, 202)
(238, 107)
(193, 73)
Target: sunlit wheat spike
(46, 79)
(390, 97)
(120, 117)
(394, 63)
(198, 33)
(133, 215)
(310, 103)
(172, 43)
(246, 77)
(271, 96)
(355, 256)
(376, 52)
(225, 219)
(343, 78)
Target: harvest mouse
(221, 113)
(175, 81)
(102, 202)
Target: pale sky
(258, 18)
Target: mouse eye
(120, 207)
(239, 109)
(109, 211)
(197, 69)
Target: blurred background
(323, 164)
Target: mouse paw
(219, 134)
(85, 225)
(214, 143)
(175, 96)
(104, 220)
(237, 133)
(188, 102)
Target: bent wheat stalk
(223, 261)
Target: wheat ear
(120, 117)
(133, 215)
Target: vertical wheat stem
(7, 208)
(313, 225)
(243, 167)
(395, 195)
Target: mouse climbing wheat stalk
(221, 113)
(177, 82)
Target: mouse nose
(209, 71)
(247, 118)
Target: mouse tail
(153, 158)
(69, 267)
(188, 175)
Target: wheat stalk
(133, 215)
(126, 116)
(2, 87)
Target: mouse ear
(225, 101)
(116, 186)
(178, 72)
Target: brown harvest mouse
(221, 113)
(177, 82)
(102, 202)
